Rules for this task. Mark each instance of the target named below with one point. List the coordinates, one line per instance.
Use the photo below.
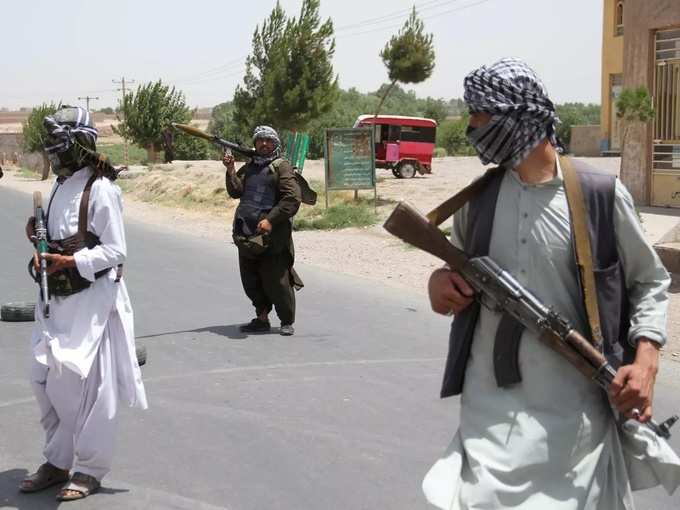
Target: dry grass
(189, 187)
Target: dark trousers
(267, 282)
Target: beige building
(612, 74)
(642, 39)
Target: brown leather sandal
(46, 476)
(80, 485)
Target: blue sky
(63, 50)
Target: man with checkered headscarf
(546, 437)
(84, 361)
(269, 198)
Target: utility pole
(87, 101)
(122, 83)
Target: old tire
(396, 173)
(140, 350)
(407, 170)
(19, 311)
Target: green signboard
(350, 159)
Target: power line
(87, 101)
(395, 15)
(437, 15)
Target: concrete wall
(641, 19)
(585, 141)
(612, 63)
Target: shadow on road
(10, 497)
(230, 330)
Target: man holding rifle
(534, 433)
(269, 198)
(84, 351)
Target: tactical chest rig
(69, 281)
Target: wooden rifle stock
(410, 226)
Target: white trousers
(78, 415)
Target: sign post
(349, 156)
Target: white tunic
(550, 442)
(72, 334)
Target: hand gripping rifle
(40, 242)
(220, 142)
(497, 290)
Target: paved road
(344, 415)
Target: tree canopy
(409, 55)
(33, 131)
(150, 110)
(289, 78)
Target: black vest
(598, 191)
(260, 187)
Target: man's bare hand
(228, 161)
(449, 292)
(56, 262)
(633, 387)
(30, 228)
(264, 226)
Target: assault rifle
(497, 290)
(40, 242)
(220, 142)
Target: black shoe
(287, 330)
(256, 326)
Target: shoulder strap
(446, 209)
(84, 206)
(584, 255)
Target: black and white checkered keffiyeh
(270, 134)
(68, 125)
(522, 113)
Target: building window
(618, 18)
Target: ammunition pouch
(252, 246)
(69, 281)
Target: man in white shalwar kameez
(551, 441)
(84, 352)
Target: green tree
(452, 135)
(106, 111)
(409, 55)
(34, 134)
(191, 148)
(289, 78)
(633, 106)
(575, 114)
(436, 109)
(148, 111)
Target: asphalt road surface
(343, 415)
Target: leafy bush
(191, 148)
(33, 131)
(149, 111)
(440, 152)
(575, 114)
(451, 135)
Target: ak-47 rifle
(497, 290)
(40, 242)
(220, 142)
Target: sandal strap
(80, 482)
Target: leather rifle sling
(584, 255)
(446, 209)
(82, 218)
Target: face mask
(487, 140)
(64, 164)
